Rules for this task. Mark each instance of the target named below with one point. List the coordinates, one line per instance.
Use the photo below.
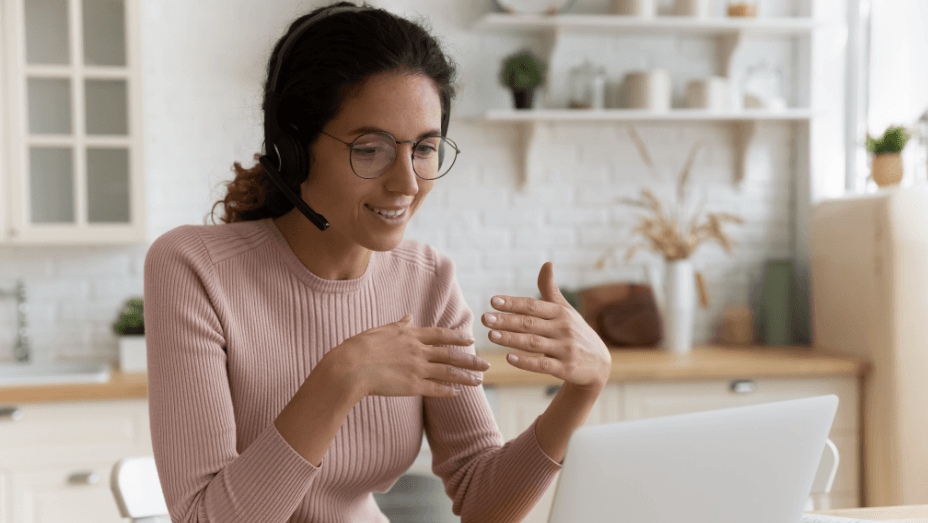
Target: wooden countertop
(903, 513)
(710, 362)
(120, 386)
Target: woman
(297, 353)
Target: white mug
(708, 93)
(642, 8)
(648, 90)
(697, 8)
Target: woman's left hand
(568, 348)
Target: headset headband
(271, 129)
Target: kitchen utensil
(708, 93)
(648, 90)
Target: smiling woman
(298, 351)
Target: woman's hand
(569, 348)
(399, 359)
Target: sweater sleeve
(204, 475)
(488, 481)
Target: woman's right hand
(399, 359)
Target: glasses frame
(395, 141)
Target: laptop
(745, 464)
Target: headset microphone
(290, 151)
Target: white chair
(819, 497)
(135, 485)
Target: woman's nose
(401, 177)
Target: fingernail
(491, 318)
(497, 301)
(512, 358)
(495, 335)
(478, 379)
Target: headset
(291, 153)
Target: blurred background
(120, 120)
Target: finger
(527, 342)
(443, 336)
(520, 323)
(436, 390)
(530, 306)
(458, 358)
(539, 364)
(549, 290)
(453, 375)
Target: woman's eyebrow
(368, 129)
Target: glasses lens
(431, 158)
(372, 155)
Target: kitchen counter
(120, 386)
(708, 362)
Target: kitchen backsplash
(202, 112)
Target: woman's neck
(328, 254)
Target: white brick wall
(202, 96)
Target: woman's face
(406, 106)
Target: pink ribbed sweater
(234, 322)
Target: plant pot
(132, 356)
(523, 98)
(887, 169)
(679, 306)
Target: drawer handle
(743, 386)
(83, 478)
(551, 390)
(11, 413)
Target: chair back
(137, 489)
(819, 498)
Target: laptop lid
(753, 463)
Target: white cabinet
(517, 406)
(56, 459)
(70, 121)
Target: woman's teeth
(391, 214)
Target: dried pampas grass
(665, 229)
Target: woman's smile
(390, 216)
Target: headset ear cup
(292, 161)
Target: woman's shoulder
(423, 256)
(211, 242)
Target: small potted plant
(130, 328)
(887, 156)
(522, 73)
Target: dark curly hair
(322, 68)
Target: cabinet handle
(83, 478)
(11, 414)
(743, 386)
(551, 390)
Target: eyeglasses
(372, 154)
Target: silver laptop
(746, 464)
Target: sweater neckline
(305, 275)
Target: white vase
(132, 357)
(679, 306)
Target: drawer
(49, 495)
(517, 407)
(53, 432)
(647, 400)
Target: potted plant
(522, 73)
(887, 156)
(130, 328)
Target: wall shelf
(637, 115)
(660, 24)
(531, 123)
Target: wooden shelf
(660, 24)
(634, 115)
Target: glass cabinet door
(78, 156)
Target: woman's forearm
(567, 411)
(320, 406)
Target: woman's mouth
(389, 216)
